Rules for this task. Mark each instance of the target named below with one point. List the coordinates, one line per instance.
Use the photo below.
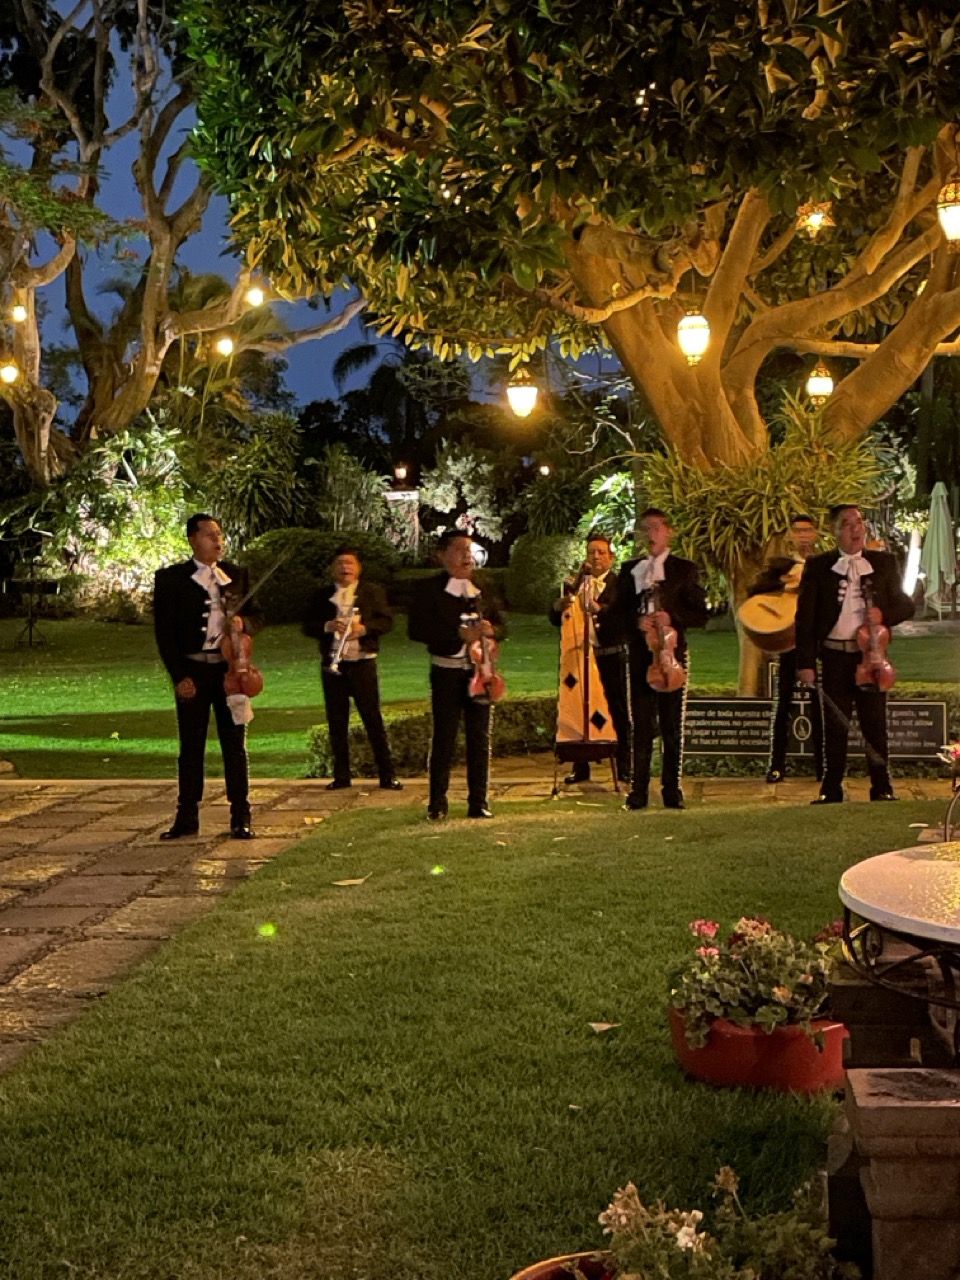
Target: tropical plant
(757, 976)
(462, 489)
(255, 488)
(553, 503)
(343, 493)
(538, 566)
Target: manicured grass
(95, 702)
(400, 1083)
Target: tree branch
(726, 287)
(39, 276)
(275, 346)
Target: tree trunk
(46, 451)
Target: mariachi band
(624, 659)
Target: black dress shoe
(573, 778)
(776, 775)
(635, 801)
(437, 814)
(674, 802)
(391, 784)
(181, 829)
(242, 832)
(882, 795)
(479, 811)
(339, 784)
(828, 798)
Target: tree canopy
(497, 175)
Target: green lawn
(401, 1084)
(95, 702)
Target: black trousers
(360, 681)
(781, 717)
(652, 710)
(449, 700)
(193, 721)
(840, 688)
(613, 677)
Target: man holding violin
(195, 603)
(846, 599)
(658, 597)
(450, 615)
(348, 619)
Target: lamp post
(693, 335)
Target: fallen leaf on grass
(917, 825)
(574, 1106)
(556, 838)
(588, 804)
(115, 735)
(311, 821)
(668, 837)
(600, 1027)
(502, 844)
(361, 880)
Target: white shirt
(211, 577)
(597, 583)
(345, 599)
(466, 590)
(853, 607)
(646, 573)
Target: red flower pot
(785, 1058)
(571, 1266)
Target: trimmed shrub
(403, 585)
(286, 592)
(538, 566)
(520, 726)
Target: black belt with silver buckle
(842, 646)
(609, 649)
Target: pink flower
(829, 932)
(704, 928)
(708, 952)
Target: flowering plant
(949, 753)
(758, 976)
(668, 1243)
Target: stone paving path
(87, 889)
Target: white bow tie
(850, 566)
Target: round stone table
(912, 892)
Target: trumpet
(341, 641)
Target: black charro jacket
(608, 621)
(374, 614)
(434, 617)
(681, 596)
(181, 607)
(818, 607)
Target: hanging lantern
(820, 384)
(224, 346)
(18, 313)
(813, 217)
(9, 372)
(693, 334)
(522, 395)
(948, 211)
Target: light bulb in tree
(693, 334)
(545, 469)
(18, 313)
(255, 296)
(9, 372)
(948, 212)
(814, 217)
(820, 384)
(522, 395)
(224, 346)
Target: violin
(873, 638)
(241, 676)
(665, 673)
(487, 684)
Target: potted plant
(751, 1009)
(648, 1241)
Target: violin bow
(232, 613)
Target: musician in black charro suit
(608, 640)
(831, 609)
(437, 619)
(659, 577)
(353, 613)
(191, 604)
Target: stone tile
(17, 949)
(33, 869)
(150, 918)
(183, 886)
(117, 825)
(226, 868)
(46, 818)
(8, 895)
(310, 799)
(93, 891)
(139, 859)
(82, 842)
(36, 1016)
(279, 822)
(84, 968)
(260, 850)
(28, 917)
(265, 795)
(18, 837)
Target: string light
(224, 346)
(255, 296)
(9, 372)
(813, 216)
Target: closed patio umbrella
(938, 559)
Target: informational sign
(741, 727)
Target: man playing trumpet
(348, 618)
